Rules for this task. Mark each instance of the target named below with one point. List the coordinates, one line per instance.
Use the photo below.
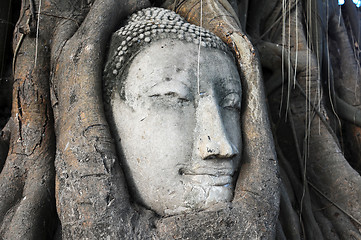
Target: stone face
(178, 129)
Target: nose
(211, 136)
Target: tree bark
(61, 177)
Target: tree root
(27, 178)
(92, 198)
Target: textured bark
(60, 174)
(86, 164)
(27, 178)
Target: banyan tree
(296, 102)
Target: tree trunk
(299, 63)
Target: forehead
(175, 60)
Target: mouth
(215, 172)
(214, 177)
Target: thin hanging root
(296, 57)
(199, 51)
(290, 72)
(17, 51)
(283, 52)
(37, 34)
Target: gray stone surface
(179, 129)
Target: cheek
(157, 138)
(232, 125)
(170, 132)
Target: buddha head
(173, 99)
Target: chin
(200, 198)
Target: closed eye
(172, 94)
(232, 101)
(173, 89)
(179, 96)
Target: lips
(204, 180)
(215, 172)
(210, 176)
